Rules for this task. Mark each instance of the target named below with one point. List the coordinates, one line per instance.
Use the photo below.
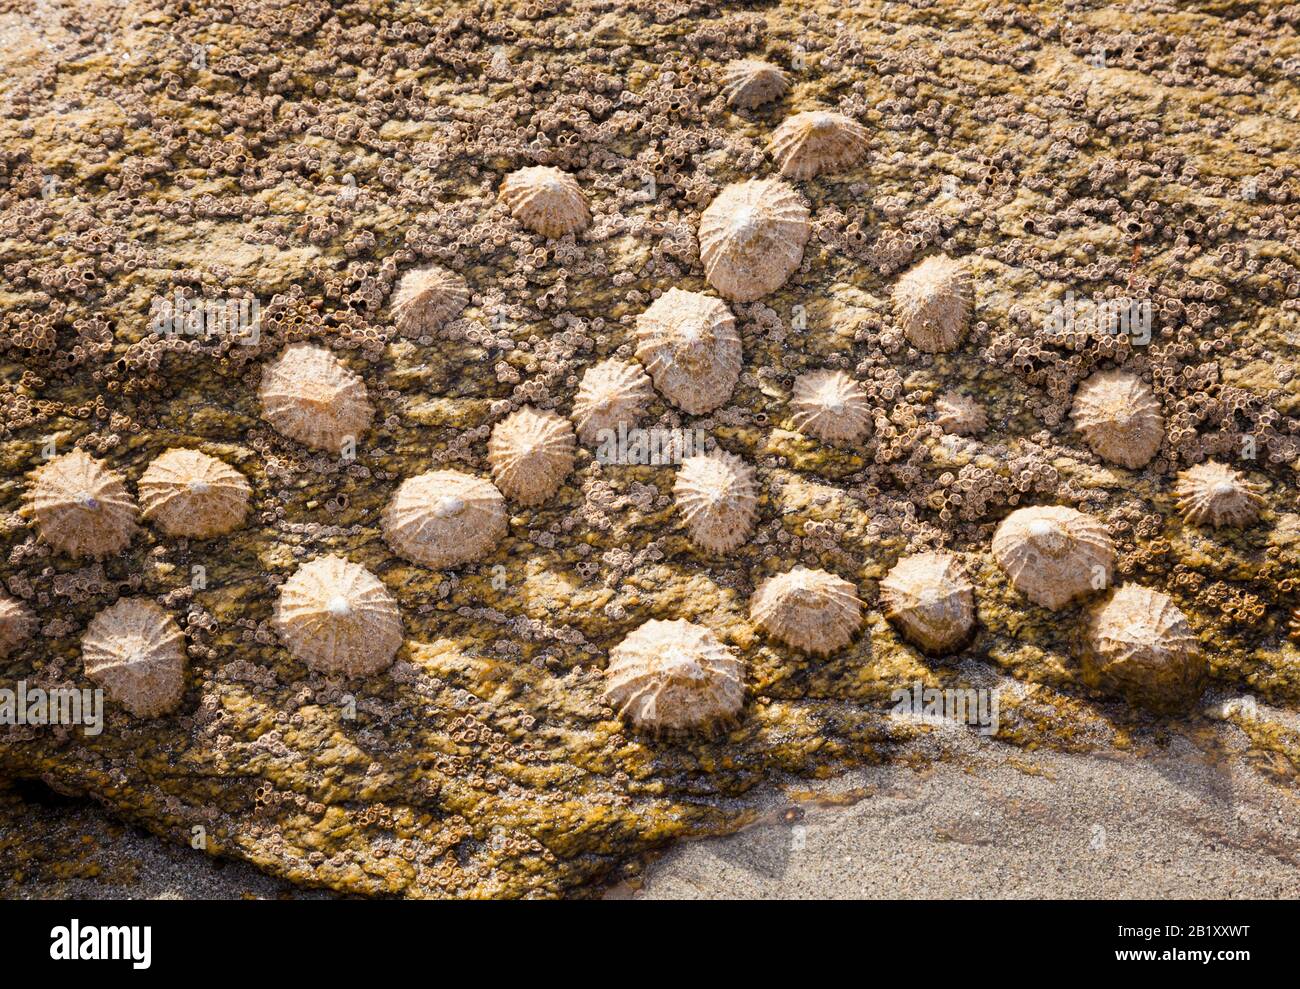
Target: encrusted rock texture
(306, 155)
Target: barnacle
(1054, 555)
(811, 610)
(136, 652)
(546, 201)
(444, 518)
(1215, 494)
(531, 454)
(750, 82)
(689, 344)
(17, 623)
(81, 507)
(612, 393)
(309, 396)
(752, 237)
(817, 141)
(1140, 644)
(718, 497)
(930, 599)
(959, 414)
(932, 303)
(426, 298)
(1119, 416)
(831, 406)
(188, 493)
(338, 618)
(674, 675)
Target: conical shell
(427, 298)
(135, 651)
(808, 144)
(929, 598)
(1054, 555)
(1140, 645)
(1120, 418)
(546, 200)
(718, 497)
(752, 237)
(674, 675)
(17, 622)
(1214, 494)
(337, 618)
(811, 610)
(531, 454)
(187, 493)
(444, 518)
(749, 82)
(309, 396)
(611, 393)
(689, 344)
(831, 406)
(932, 303)
(959, 414)
(81, 507)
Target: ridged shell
(17, 622)
(309, 396)
(1214, 494)
(81, 507)
(531, 454)
(337, 617)
(831, 406)
(811, 610)
(808, 144)
(674, 675)
(427, 298)
(689, 344)
(718, 497)
(959, 414)
(749, 82)
(752, 237)
(932, 303)
(930, 599)
(1054, 555)
(611, 392)
(189, 494)
(546, 200)
(444, 518)
(1140, 644)
(1120, 418)
(135, 651)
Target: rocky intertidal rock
(136, 652)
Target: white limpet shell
(309, 396)
(689, 344)
(531, 454)
(81, 508)
(337, 618)
(930, 599)
(932, 303)
(612, 393)
(444, 518)
(808, 144)
(811, 610)
(831, 406)
(959, 414)
(1119, 416)
(1214, 494)
(1054, 555)
(190, 494)
(17, 622)
(752, 238)
(751, 82)
(718, 497)
(546, 200)
(135, 651)
(427, 298)
(674, 675)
